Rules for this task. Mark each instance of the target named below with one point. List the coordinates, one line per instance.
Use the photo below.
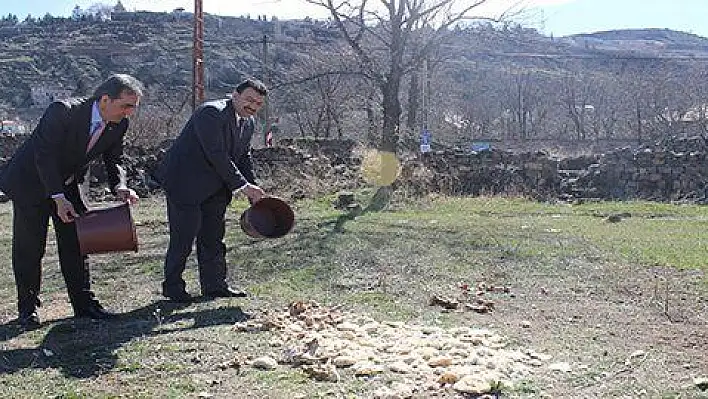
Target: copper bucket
(107, 230)
(270, 217)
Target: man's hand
(253, 192)
(126, 194)
(65, 210)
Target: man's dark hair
(117, 84)
(255, 84)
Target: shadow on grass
(378, 202)
(83, 348)
(368, 248)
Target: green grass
(652, 234)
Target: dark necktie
(241, 126)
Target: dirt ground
(623, 331)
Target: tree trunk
(413, 103)
(391, 114)
(371, 135)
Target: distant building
(45, 95)
(76, 13)
(12, 128)
(119, 7)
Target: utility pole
(425, 135)
(424, 94)
(198, 56)
(264, 78)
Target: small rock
(403, 390)
(428, 330)
(296, 328)
(388, 393)
(384, 393)
(347, 326)
(399, 367)
(448, 378)
(459, 352)
(441, 361)
(444, 302)
(561, 366)
(638, 353)
(367, 369)
(701, 383)
(472, 339)
(535, 355)
(344, 361)
(427, 352)
(614, 218)
(326, 372)
(265, 363)
(472, 385)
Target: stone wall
(671, 170)
(487, 172)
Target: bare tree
(520, 99)
(391, 41)
(159, 121)
(320, 93)
(577, 97)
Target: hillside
(479, 74)
(644, 42)
(156, 47)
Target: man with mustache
(42, 180)
(206, 166)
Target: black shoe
(226, 293)
(28, 319)
(179, 297)
(95, 311)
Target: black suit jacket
(56, 150)
(210, 155)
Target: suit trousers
(29, 237)
(205, 223)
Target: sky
(556, 17)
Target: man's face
(248, 102)
(115, 109)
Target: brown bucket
(270, 217)
(107, 230)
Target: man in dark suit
(206, 166)
(42, 180)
